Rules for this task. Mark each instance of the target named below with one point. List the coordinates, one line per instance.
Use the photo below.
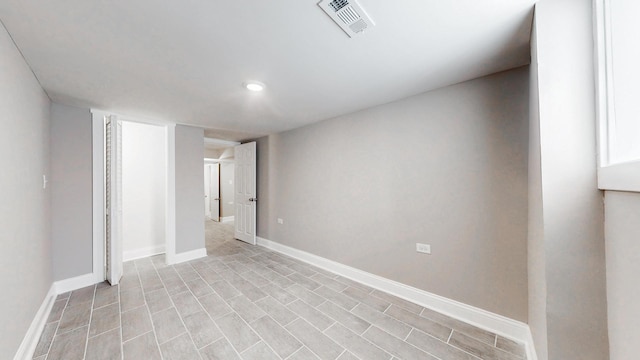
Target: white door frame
(99, 209)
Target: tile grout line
(177, 312)
(283, 327)
(55, 333)
(153, 326)
(409, 334)
(209, 315)
(253, 329)
(93, 299)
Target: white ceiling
(185, 61)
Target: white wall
(71, 192)
(189, 188)
(447, 168)
(25, 259)
(622, 231)
(626, 76)
(227, 170)
(537, 279)
(572, 206)
(144, 189)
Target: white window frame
(611, 176)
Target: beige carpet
(219, 239)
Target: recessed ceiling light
(254, 86)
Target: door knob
(253, 199)
(217, 199)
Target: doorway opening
(144, 190)
(133, 180)
(219, 177)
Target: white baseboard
(495, 323)
(189, 255)
(142, 253)
(78, 282)
(31, 338)
(227, 219)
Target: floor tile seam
(340, 293)
(444, 343)
(174, 337)
(458, 328)
(344, 351)
(224, 336)
(105, 331)
(463, 350)
(406, 343)
(139, 335)
(109, 304)
(361, 337)
(262, 339)
(335, 321)
(212, 341)
(64, 309)
(304, 345)
(340, 306)
(153, 326)
(412, 326)
(180, 315)
(267, 345)
(295, 352)
(86, 343)
(52, 338)
(411, 331)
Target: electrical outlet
(423, 248)
(280, 221)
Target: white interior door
(113, 197)
(245, 192)
(214, 191)
(207, 190)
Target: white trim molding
(495, 323)
(142, 253)
(78, 282)
(170, 231)
(188, 256)
(620, 177)
(227, 219)
(31, 338)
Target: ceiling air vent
(348, 14)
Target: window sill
(620, 177)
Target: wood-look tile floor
(246, 302)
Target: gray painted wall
(26, 274)
(447, 168)
(71, 192)
(189, 188)
(622, 231)
(572, 206)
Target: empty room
(319, 179)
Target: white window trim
(622, 176)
